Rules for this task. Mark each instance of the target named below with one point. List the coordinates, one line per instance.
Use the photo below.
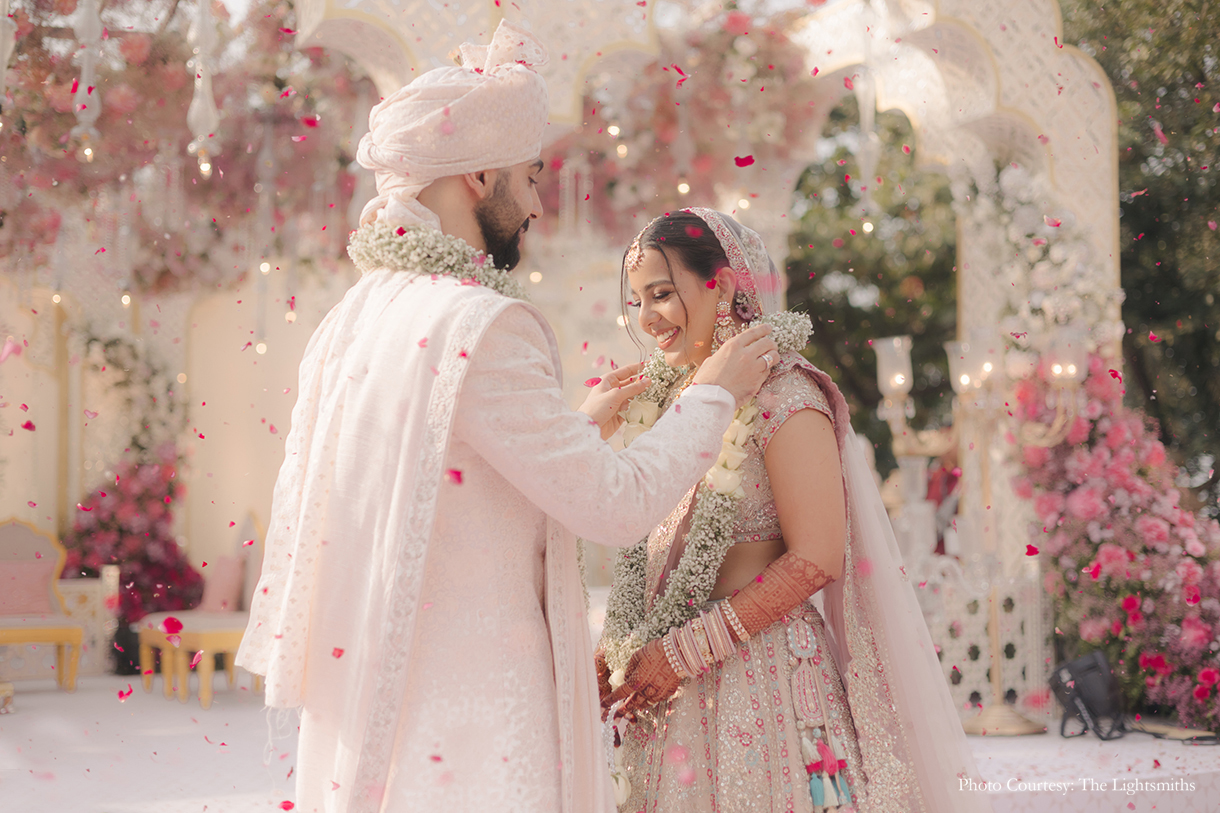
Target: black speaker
(1088, 692)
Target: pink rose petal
(171, 625)
(337, 652)
(744, 161)
(1053, 222)
(454, 476)
(592, 382)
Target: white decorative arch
(396, 40)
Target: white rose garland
(628, 627)
(425, 250)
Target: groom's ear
(481, 183)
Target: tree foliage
(1161, 58)
(860, 284)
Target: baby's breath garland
(628, 627)
(424, 250)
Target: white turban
(487, 114)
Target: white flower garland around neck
(424, 250)
(628, 626)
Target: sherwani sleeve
(511, 412)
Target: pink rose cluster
(1130, 570)
(129, 522)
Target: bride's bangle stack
(699, 644)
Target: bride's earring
(725, 328)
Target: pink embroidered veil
(915, 753)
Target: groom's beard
(501, 225)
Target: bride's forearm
(782, 586)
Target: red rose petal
(28, 425)
(336, 653)
(454, 476)
(171, 625)
(1030, 550)
(744, 161)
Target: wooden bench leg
(205, 670)
(73, 665)
(167, 670)
(183, 671)
(231, 668)
(59, 664)
(146, 666)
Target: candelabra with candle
(976, 370)
(916, 525)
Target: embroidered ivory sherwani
(420, 596)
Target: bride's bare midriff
(743, 562)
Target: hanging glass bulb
(87, 101)
(203, 117)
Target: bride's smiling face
(676, 307)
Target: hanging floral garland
(727, 97)
(175, 223)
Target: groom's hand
(607, 397)
(649, 680)
(742, 364)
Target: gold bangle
(701, 640)
(730, 615)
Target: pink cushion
(222, 581)
(25, 587)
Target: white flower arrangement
(1050, 275)
(628, 627)
(424, 250)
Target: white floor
(90, 752)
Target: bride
(730, 689)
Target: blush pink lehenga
(853, 683)
(731, 740)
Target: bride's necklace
(628, 627)
(425, 250)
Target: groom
(421, 598)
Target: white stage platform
(90, 753)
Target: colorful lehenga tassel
(815, 790)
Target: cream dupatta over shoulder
(420, 597)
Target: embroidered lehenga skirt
(744, 737)
(769, 729)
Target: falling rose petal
(592, 382)
(123, 695)
(847, 83)
(31, 504)
(334, 785)
(336, 653)
(75, 85)
(195, 660)
(288, 93)
(1160, 134)
(1116, 374)
(287, 31)
(171, 625)
(423, 342)
(247, 543)
(90, 414)
(1043, 139)
(28, 425)
(711, 284)
(1152, 337)
(1141, 192)
(274, 431)
(1211, 224)
(1030, 550)
(299, 139)
(813, 72)
(744, 161)
(600, 361)
(11, 348)
(1053, 222)
(174, 640)
(286, 805)
(454, 476)
(83, 508)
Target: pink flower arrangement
(129, 522)
(1131, 572)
